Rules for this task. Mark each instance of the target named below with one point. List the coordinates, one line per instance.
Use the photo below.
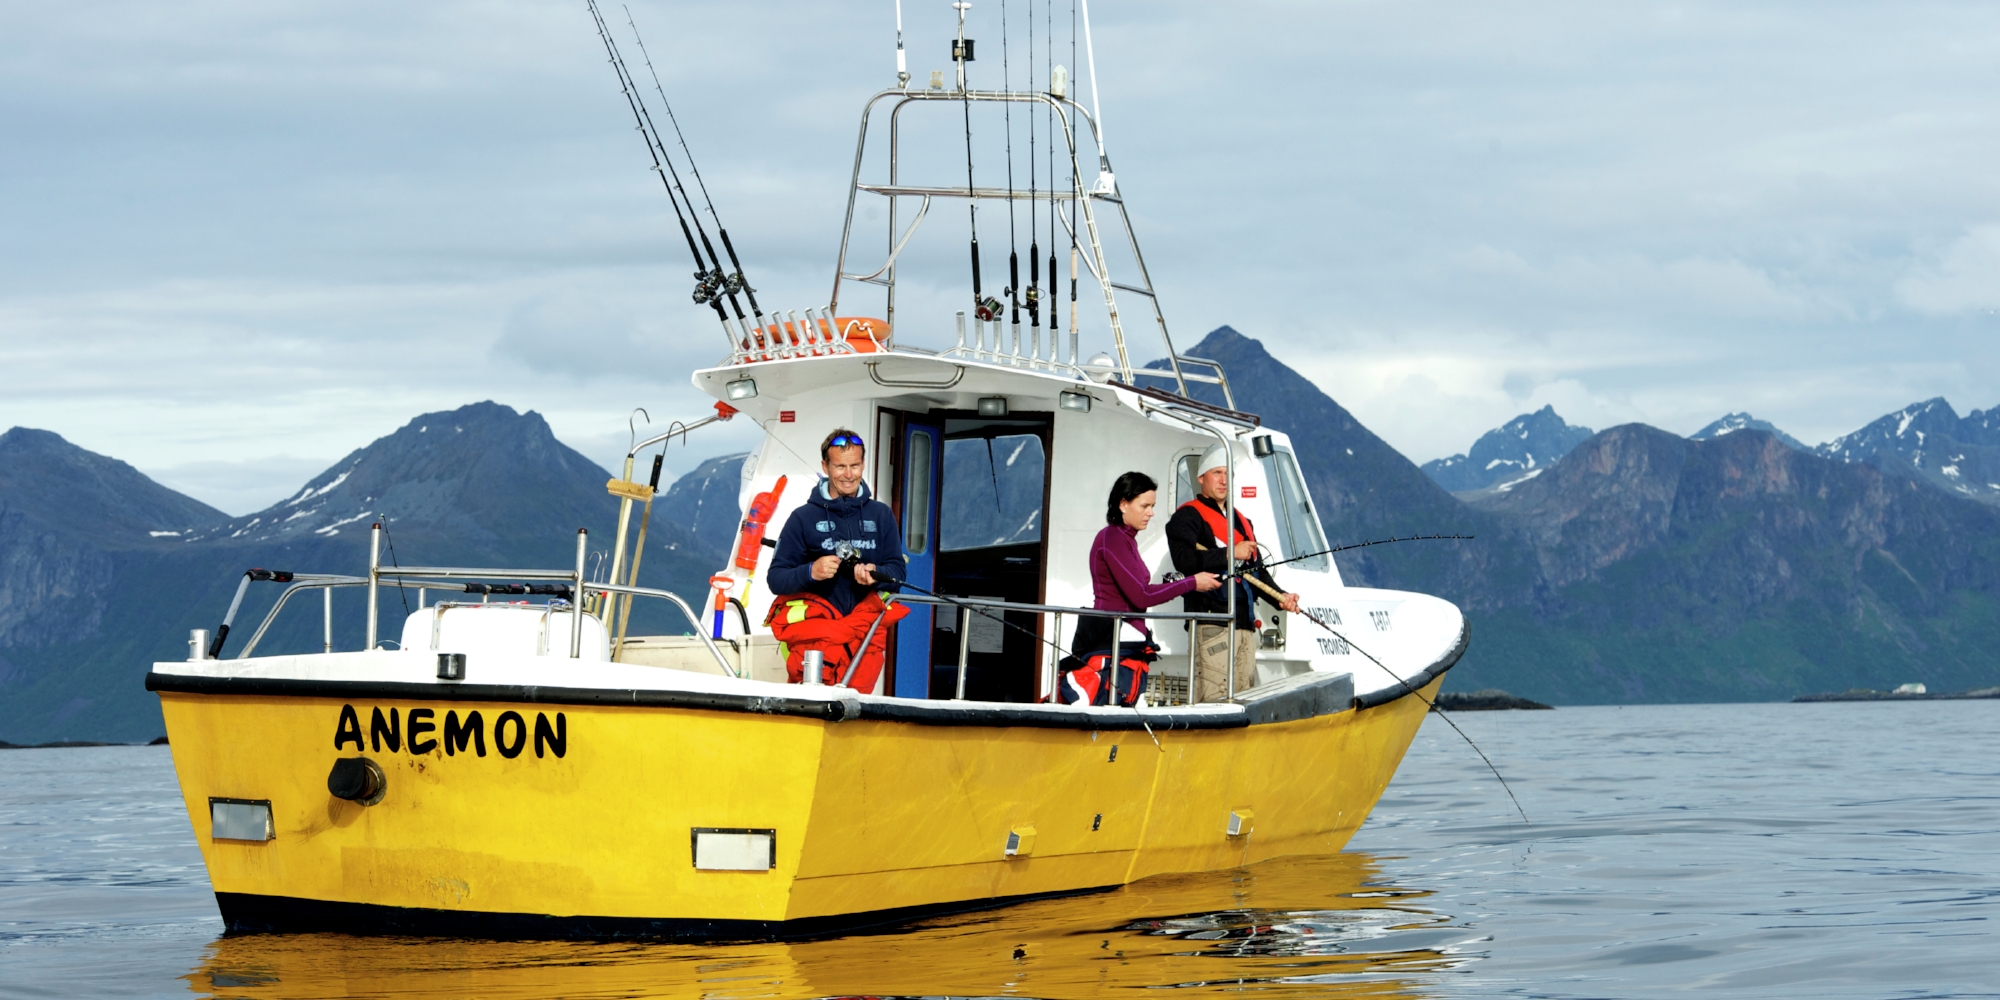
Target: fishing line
(977, 610)
(1251, 567)
(735, 281)
(1243, 573)
(1441, 713)
(391, 539)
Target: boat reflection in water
(1318, 926)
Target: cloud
(1963, 277)
(284, 229)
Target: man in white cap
(1196, 540)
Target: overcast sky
(238, 240)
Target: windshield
(1298, 526)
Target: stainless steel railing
(325, 585)
(968, 605)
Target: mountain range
(1730, 423)
(103, 571)
(1644, 566)
(1926, 441)
(1625, 565)
(1521, 448)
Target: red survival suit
(810, 622)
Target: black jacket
(818, 526)
(1186, 530)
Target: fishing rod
(1034, 294)
(703, 291)
(1242, 573)
(1001, 618)
(734, 281)
(983, 308)
(1049, 130)
(715, 280)
(986, 613)
(1013, 241)
(1255, 565)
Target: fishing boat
(527, 768)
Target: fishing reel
(704, 292)
(850, 557)
(987, 309)
(736, 283)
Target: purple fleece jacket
(1120, 579)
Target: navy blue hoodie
(817, 527)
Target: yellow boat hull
(875, 820)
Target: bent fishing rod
(1254, 565)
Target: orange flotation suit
(805, 622)
(1219, 529)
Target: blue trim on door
(913, 634)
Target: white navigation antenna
(902, 66)
(1107, 182)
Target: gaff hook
(632, 443)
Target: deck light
(742, 388)
(1078, 401)
(992, 406)
(1262, 446)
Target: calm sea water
(1848, 850)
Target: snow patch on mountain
(1510, 453)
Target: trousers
(1211, 662)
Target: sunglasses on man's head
(844, 441)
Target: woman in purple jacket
(1119, 577)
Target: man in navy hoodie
(839, 510)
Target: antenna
(1107, 183)
(902, 66)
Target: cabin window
(1185, 475)
(1298, 526)
(995, 486)
(917, 495)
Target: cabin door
(917, 497)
